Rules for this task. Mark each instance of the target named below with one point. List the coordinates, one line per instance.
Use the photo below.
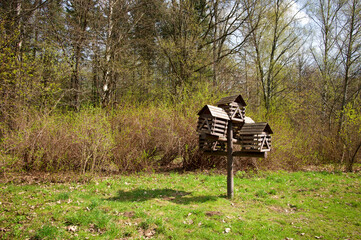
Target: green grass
(269, 205)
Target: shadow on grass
(179, 197)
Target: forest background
(115, 85)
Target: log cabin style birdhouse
(208, 144)
(212, 121)
(221, 127)
(255, 137)
(235, 107)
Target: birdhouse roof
(255, 128)
(230, 99)
(214, 112)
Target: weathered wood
(212, 120)
(234, 106)
(250, 154)
(216, 138)
(214, 111)
(238, 154)
(212, 145)
(258, 128)
(255, 150)
(225, 125)
(254, 137)
(252, 142)
(230, 99)
(220, 121)
(255, 143)
(235, 113)
(218, 125)
(230, 161)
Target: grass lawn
(268, 205)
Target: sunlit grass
(278, 205)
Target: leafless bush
(60, 142)
(127, 139)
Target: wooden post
(229, 160)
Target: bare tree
(324, 14)
(274, 45)
(78, 20)
(349, 43)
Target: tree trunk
(215, 37)
(108, 81)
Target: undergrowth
(145, 136)
(131, 137)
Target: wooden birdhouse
(255, 137)
(213, 121)
(235, 107)
(211, 145)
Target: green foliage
(350, 132)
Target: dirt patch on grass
(276, 209)
(42, 177)
(212, 213)
(129, 214)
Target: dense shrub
(133, 137)
(148, 136)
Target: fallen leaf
(72, 228)
(129, 214)
(188, 222)
(149, 233)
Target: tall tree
(274, 45)
(78, 12)
(324, 14)
(349, 43)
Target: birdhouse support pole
(229, 160)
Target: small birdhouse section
(235, 107)
(255, 137)
(210, 145)
(212, 121)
